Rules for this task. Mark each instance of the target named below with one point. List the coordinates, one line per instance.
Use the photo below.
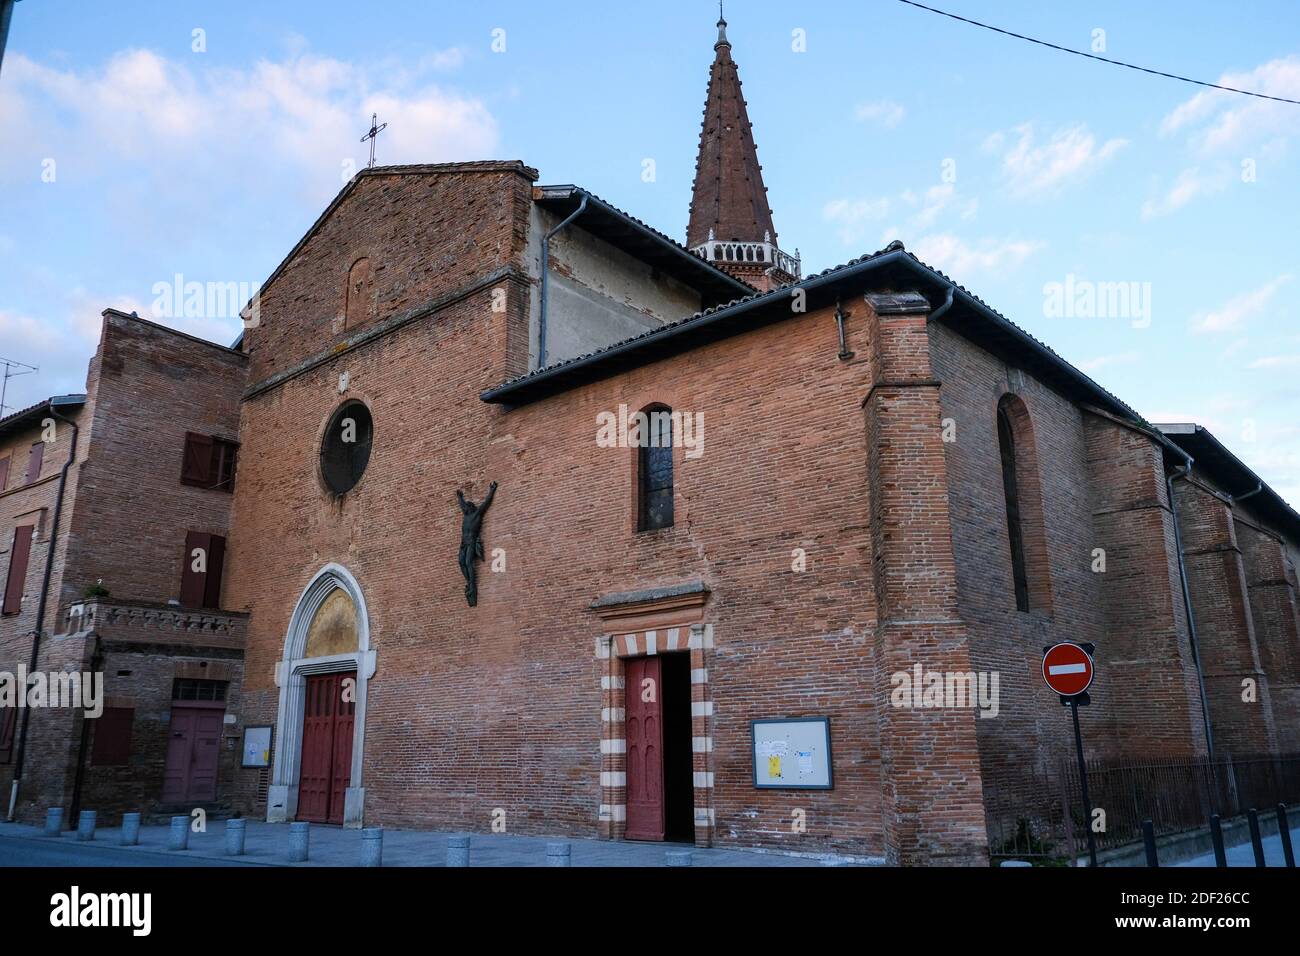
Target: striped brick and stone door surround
(612, 651)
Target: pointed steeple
(730, 220)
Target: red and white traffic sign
(1067, 669)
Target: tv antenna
(10, 365)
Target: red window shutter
(197, 466)
(112, 747)
(194, 583)
(216, 557)
(8, 721)
(18, 555)
(34, 461)
(4, 471)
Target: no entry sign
(1067, 669)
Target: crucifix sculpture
(375, 129)
(471, 545)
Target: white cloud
(1070, 155)
(1234, 313)
(851, 216)
(1276, 361)
(306, 113)
(1102, 361)
(1217, 120)
(885, 112)
(961, 259)
(1190, 184)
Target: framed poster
(792, 753)
(257, 746)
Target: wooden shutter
(197, 467)
(216, 557)
(8, 721)
(18, 555)
(112, 747)
(4, 471)
(194, 583)
(34, 461)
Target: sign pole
(1083, 784)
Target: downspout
(546, 256)
(1183, 472)
(947, 304)
(40, 606)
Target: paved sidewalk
(267, 844)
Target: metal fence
(1175, 795)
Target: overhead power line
(1093, 56)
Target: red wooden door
(645, 748)
(326, 747)
(193, 749)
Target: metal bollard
(130, 829)
(1284, 830)
(1256, 842)
(86, 825)
(559, 854)
(54, 821)
(1149, 838)
(678, 858)
(299, 840)
(178, 837)
(1216, 835)
(235, 836)
(372, 846)
(458, 849)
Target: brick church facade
(870, 471)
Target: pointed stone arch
(291, 677)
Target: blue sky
(1009, 166)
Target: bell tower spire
(730, 220)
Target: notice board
(792, 753)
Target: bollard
(235, 837)
(299, 839)
(559, 854)
(372, 846)
(178, 838)
(86, 825)
(458, 849)
(130, 829)
(678, 858)
(1256, 842)
(1149, 838)
(1216, 834)
(54, 821)
(1284, 830)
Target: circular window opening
(345, 450)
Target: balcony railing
(762, 254)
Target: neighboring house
(149, 483)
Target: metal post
(458, 849)
(1083, 784)
(299, 841)
(1284, 831)
(86, 825)
(372, 846)
(559, 854)
(1216, 834)
(1149, 841)
(178, 836)
(130, 829)
(677, 858)
(1256, 842)
(236, 828)
(54, 821)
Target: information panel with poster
(792, 753)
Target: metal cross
(375, 129)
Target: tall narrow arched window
(1023, 490)
(655, 470)
(1015, 531)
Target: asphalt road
(17, 851)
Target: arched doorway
(327, 643)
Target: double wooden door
(326, 746)
(193, 751)
(643, 688)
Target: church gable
(394, 241)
